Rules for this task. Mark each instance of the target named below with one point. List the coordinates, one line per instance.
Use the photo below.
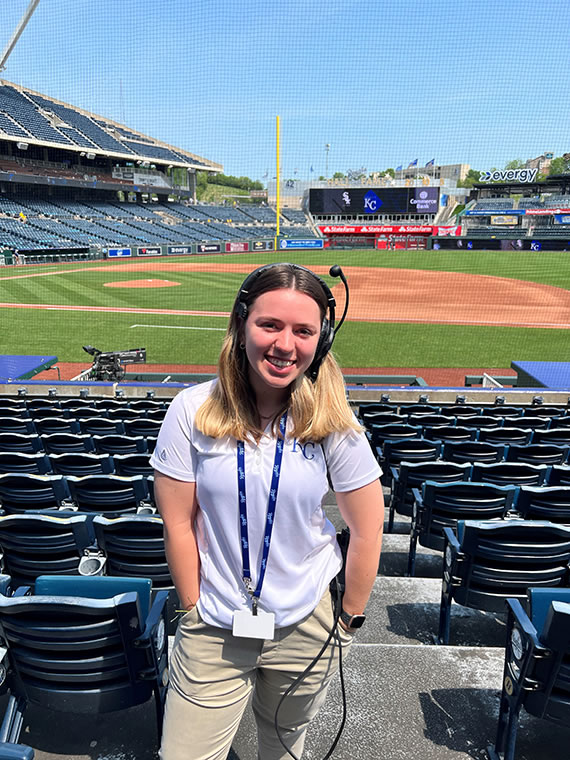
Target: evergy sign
(509, 175)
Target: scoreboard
(384, 200)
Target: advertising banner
(352, 229)
(508, 175)
(287, 245)
(546, 211)
(179, 250)
(231, 247)
(149, 250)
(118, 252)
(504, 219)
(450, 231)
(262, 245)
(496, 211)
(562, 219)
(209, 247)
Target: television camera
(111, 365)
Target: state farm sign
(390, 229)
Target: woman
(242, 466)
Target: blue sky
(383, 82)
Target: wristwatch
(352, 621)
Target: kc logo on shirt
(306, 449)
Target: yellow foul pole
(278, 210)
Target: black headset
(328, 331)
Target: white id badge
(250, 626)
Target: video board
(385, 200)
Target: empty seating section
(71, 224)
(493, 203)
(422, 442)
(27, 115)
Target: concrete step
(406, 611)
(394, 558)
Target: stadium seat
(410, 475)
(143, 426)
(119, 444)
(63, 443)
(383, 418)
(419, 409)
(391, 453)
(536, 673)
(527, 423)
(111, 495)
(444, 433)
(367, 409)
(19, 461)
(461, 410)
(392, 432)
(482, 421)
(504, 436)
(543, 411)
(544, 503)
(538, 453)
(472, 451)
(509, 473)
(23, 492)
(503, 411)
(52, 425)
(20, 442)
(441, 505)
(81, 463)
(430, 419)
(560, 436)
(38, 544)
(21, 425)
(132, 464)
(84, 645)
(101, 426)
(486, 562)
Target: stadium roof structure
(30, 118)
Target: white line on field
(179, 327)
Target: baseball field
(408, 309)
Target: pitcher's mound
(141, 284)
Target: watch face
(357, 621)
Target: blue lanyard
(270, 512)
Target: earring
(242, 346)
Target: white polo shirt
(303, 555)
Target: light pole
(327, 148)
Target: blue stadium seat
(84, 645)
(486, 562)
(38, 544)
(536, 673)
(441, 505)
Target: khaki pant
(213, 673)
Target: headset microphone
(336, 271)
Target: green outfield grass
(360, 344)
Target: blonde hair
(315, 409)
